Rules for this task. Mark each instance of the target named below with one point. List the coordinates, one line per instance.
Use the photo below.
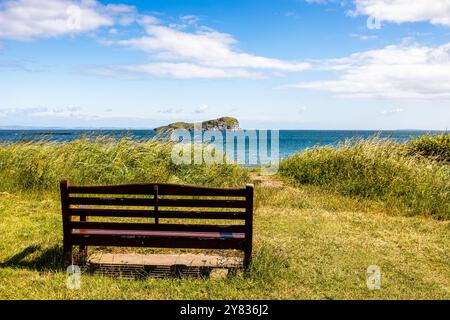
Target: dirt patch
(266, 181)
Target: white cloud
(121, 8)
(124, 15)
(20, 112)
(203, 53)
(399, 11)
(175, 53)
(205, 47)
(394, 72)
(391, 112)
(44, 112)
(186, 21)
(201, 109)
(113, 31)
(146, 20)
(301, 110)
(31, 19)
(170, 111)
(363, 36)
(186, 71)
(190, 19)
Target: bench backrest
(154, 202)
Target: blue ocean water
(290, 141)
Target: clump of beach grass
(436, 147)
(376, 169)
(28, 166)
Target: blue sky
(287, 64)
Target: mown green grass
(316, 248)
(310, 242)
(379, 170)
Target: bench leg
(247, 258)
(68, 254)
(83, 254)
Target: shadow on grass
(49, 259)
(269, 262)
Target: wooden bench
(159, 208)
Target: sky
(276, 64)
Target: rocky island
(219, 124)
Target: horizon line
(26, 128)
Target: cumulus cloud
(394, 72)
(183, 71)
(202, 53)
(175, 52)
(31, 19)
(399, 11)
(205, 47)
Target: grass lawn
(309, 244)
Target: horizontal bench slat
(142, 202)
(157, 227)
(163, 189)
(158, 242)
(202, 215)
(200, 203)
(191, 203)
(161, 214)
(112, 213)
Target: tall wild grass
(28, 166)
(376, 169)
(435, 147)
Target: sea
(289, 142)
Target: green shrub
(41, 165)
(436, 147)
(375, 169)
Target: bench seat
(153, 233)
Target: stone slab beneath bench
(162, 265)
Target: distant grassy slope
(376, 169)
